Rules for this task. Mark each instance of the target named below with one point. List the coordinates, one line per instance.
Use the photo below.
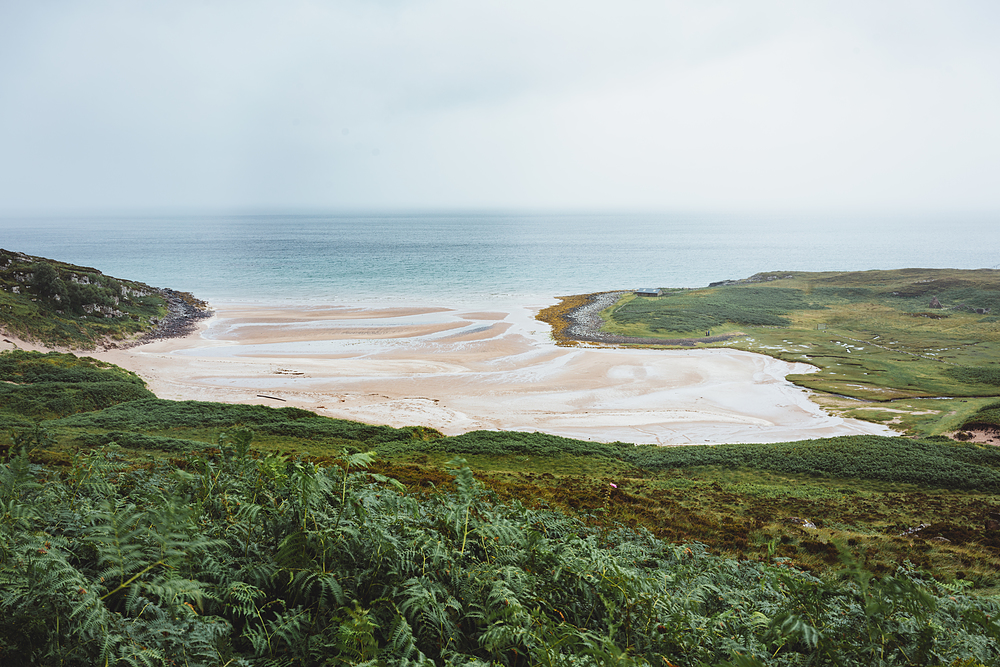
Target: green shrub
(53, 384)
(504, 443)
(154, 413)
(27, 367)
(130, 440)
(48, 285)
(988, 416)
(894, 460)
(888, 459)
(935, 463)
(59, 399)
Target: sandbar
(460, 371)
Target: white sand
(460, 371)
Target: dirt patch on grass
(984, 434)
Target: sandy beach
(458, 371)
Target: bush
(154, 413)
(987, 416)
(888, 459)
(25, 367)
(139, 441)
(504, 443)
(49, 286)
(60, 399)
(54, 384)
(934, 462)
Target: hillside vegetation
(246, 558)
(76, 307)
(153, 532)
(909, 336)
(742, 501)
(141, 531)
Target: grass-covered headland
(917, 348)
(77, 307)
(135, 530)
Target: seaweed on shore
(560, 315)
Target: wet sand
(459, 371)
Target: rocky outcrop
(184, 312)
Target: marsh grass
(916, 416)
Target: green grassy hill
(76, 307)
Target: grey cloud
(557, 104)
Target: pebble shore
(184, 312)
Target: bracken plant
(244, 558)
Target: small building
(648, 291)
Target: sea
(481, 259)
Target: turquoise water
(484, 258)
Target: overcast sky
(577, 104)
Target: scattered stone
(798, 521)
(913, 531)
